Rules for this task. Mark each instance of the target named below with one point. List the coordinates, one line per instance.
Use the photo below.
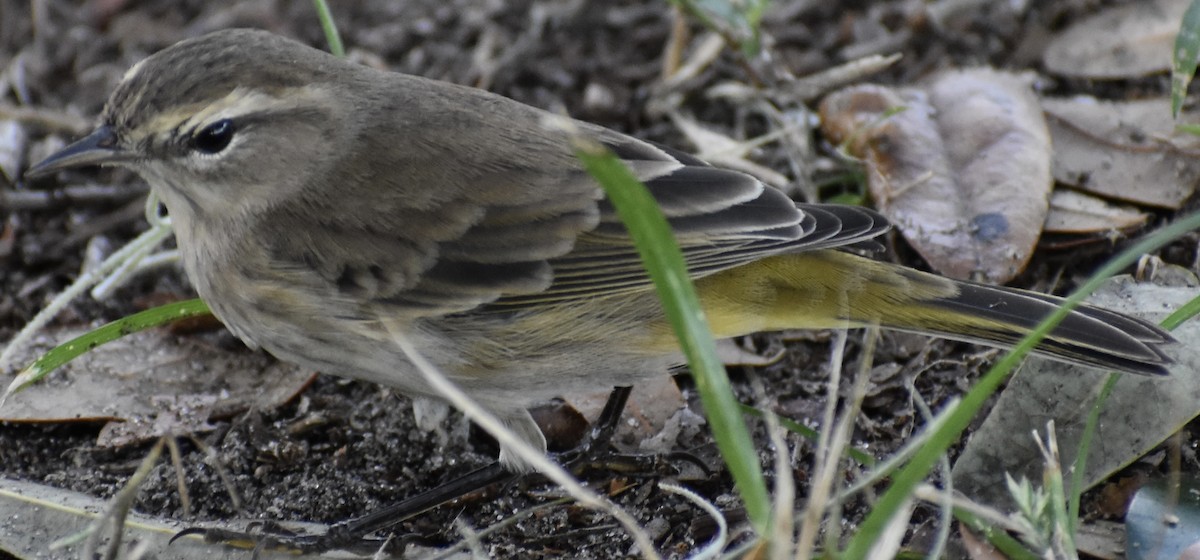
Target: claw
(237, 539)
(201, 531)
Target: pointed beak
(97, 148)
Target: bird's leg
(352, 532)
(602, 430)
(594, 452)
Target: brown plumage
(312, 196)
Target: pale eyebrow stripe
(238, 105)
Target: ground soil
(599, 61)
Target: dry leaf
(1076, 213)
(38, 518)
(1124, 150)
(1122, 42)
(963, 169)
(1140, 412)
(977, 548)
(183, 414)
(1102, 540)
(127, 378)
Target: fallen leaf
(1122, 42)
(1125, 150)
(1140, 412)
(127, 379)
(1103, 540)
(562, 424)
(37, 516)
(1076, 213)
(1116, 494)
(962, 169)
(177, 414)
(977, 548)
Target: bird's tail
(831, 289)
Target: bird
(312, 197)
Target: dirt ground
(343, 448)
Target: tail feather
(829, 289)
(1088, 335)
(1141, 329)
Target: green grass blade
(656, 244)
(124, 326)
(1189, 310)
(859, 456)
(738, 21)
(1011, 548)
(330, 28)
(1184, 59)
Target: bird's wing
(449, 224)
(721, 219)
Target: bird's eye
(214, 137)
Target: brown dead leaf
(186, 414)
(1073, 212)
(977, 548)
(1117, 492)
(562, 424)
(1124, 150)
(963, 169)
(1122, 42)
(129, 378)
(1102, 540)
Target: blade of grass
(737, 22)
(329, 27)
(859, 456)
(1085, 446)
(912, 474)
(1185, 56)
(133, 251)
(1007, 545)
(660, 254)
(73, 348)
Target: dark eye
(214, 137)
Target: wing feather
(522, 223)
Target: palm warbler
(312, 196)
